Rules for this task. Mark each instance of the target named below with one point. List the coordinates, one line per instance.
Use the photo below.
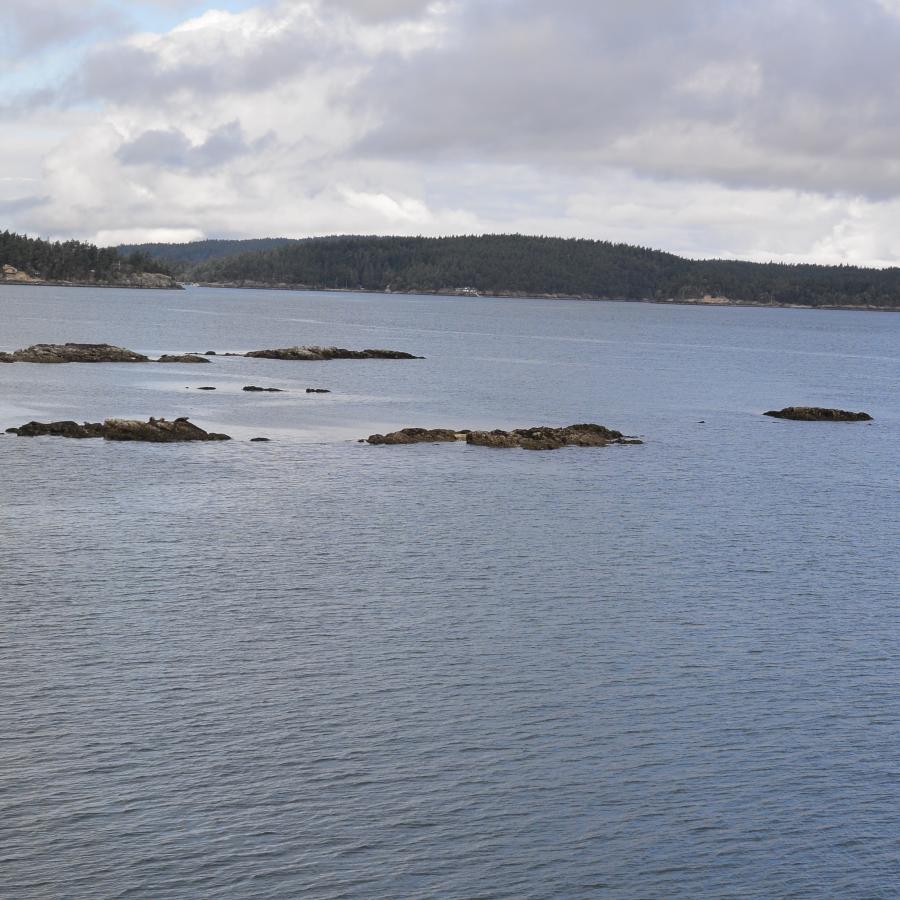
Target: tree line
(520, 264)
(72, 260)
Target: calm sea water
(315, 668)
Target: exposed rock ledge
(818, 414)
(64, 353)
(182, 358)
(322, 353)
(157, 431)
(540, 438)
(90, 353)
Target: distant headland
(500, 265)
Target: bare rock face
(182, 358)
(84, 353)
(313, 354)
(157, 431)
(818, 414)
(545, 438)
(416, 436)
(541, 438)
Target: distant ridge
(521, 265)
(200, 251)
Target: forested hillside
(181, 256)
(518, 264)
(74, 261)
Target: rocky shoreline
(523, 295)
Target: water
(316, 668)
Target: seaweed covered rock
(67, 429)
(314, 354)
(182, 358)
(818, 414)
(540, 438)
(156, 431)
(82, 353)
(546, 438)
(415, 436)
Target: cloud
(708, 127)
(172, 148)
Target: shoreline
(520, 295)
(40, 282)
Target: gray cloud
(32, 25)
(798, 94)
(171, 148)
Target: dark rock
(158, 431)
(818, 414)
(85, 353)
(317, 391)
(205, 388)
(254, 388)
(546, 438)
(182, 358)
(59, 429)
(6, 358)
(415, 436)
(210, 353)
(254, 440)
(323, 353)
(541, 438)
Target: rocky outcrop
(155, 280)
(818, 414)
(254, 389)
(83, 353)
(541, 438)
(182, 358)
(416, 436)
(59, 429)
(317, 391)
(156, 431)
(545, 438)
(314, 354)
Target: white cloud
(703, 127)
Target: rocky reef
(314, 354)
(417, 436)
(66, 353)
(182, 358)
(818, 414)
(156, 431)
(539, 438)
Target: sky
(756, 130)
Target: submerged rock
(157, 431)
(322, 353)
(259, 440)
(255, 389)
(317, 391)
(84, 353)
(415, 436)
(818, 414)
(205, 388)
(182, 358)
(540, 438)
